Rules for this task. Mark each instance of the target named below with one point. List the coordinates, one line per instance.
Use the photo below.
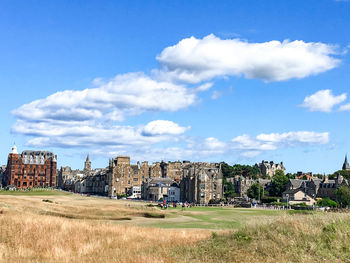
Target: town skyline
(256, 85)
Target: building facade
(268, 169)
(123, 175)
(31, 169)
(201, 182)
(156, 189)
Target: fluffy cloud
(323, 100)
(126, 94)
(266, 142)
(162, 127)
(344, 107)
(194, 60)
(87, 118)
(87, 134)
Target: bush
(269, 199)
(327, 202)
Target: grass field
(33, 192)
(56, 227)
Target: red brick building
(31, 169)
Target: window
(136, 179)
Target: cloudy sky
(238, 81)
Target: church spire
(346, 165)
(87, 165)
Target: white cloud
(87, 118)
(292, 138)
(216, 94)
(194, 60)
(205, 86)
(162, 127)
(250, 147)
(89, 134)
(125, 94)
(323, 100)
(344, 107)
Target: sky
(235, 81)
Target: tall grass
(41, 238)
(81, 229)
(299, 238)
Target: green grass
(214, 217)
(298, 238)
(40, 192)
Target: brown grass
(31, 236)
(80, 229)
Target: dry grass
(299, 238)
(30, 236)
(81, 229)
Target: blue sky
(197, 80)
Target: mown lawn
(214, 217)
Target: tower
(346, 165)
(87, 165)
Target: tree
(255, 191)
(327, 202)
(226, 170)
(246, 171)
(344, 173)
(343, 195)
(291, 176)
(229, 189)
(278, 183)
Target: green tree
(226, 170)
(255, 191)
(246, 171)
(229, 190)
(344, 173)
(291, 176)
(343, 195)
(327, 202)
(278, 183)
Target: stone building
(2, 175)
(172, 170)
(242, 184)
(155, 189)
(297, 196)
(156, 170)
(268, 169)
(31, 169)
(96, 184)
(123, 175)
(318, 188)
(201, 182)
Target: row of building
(194, 182)
(184, 181)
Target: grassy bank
(301, 238)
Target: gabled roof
(296, 183)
